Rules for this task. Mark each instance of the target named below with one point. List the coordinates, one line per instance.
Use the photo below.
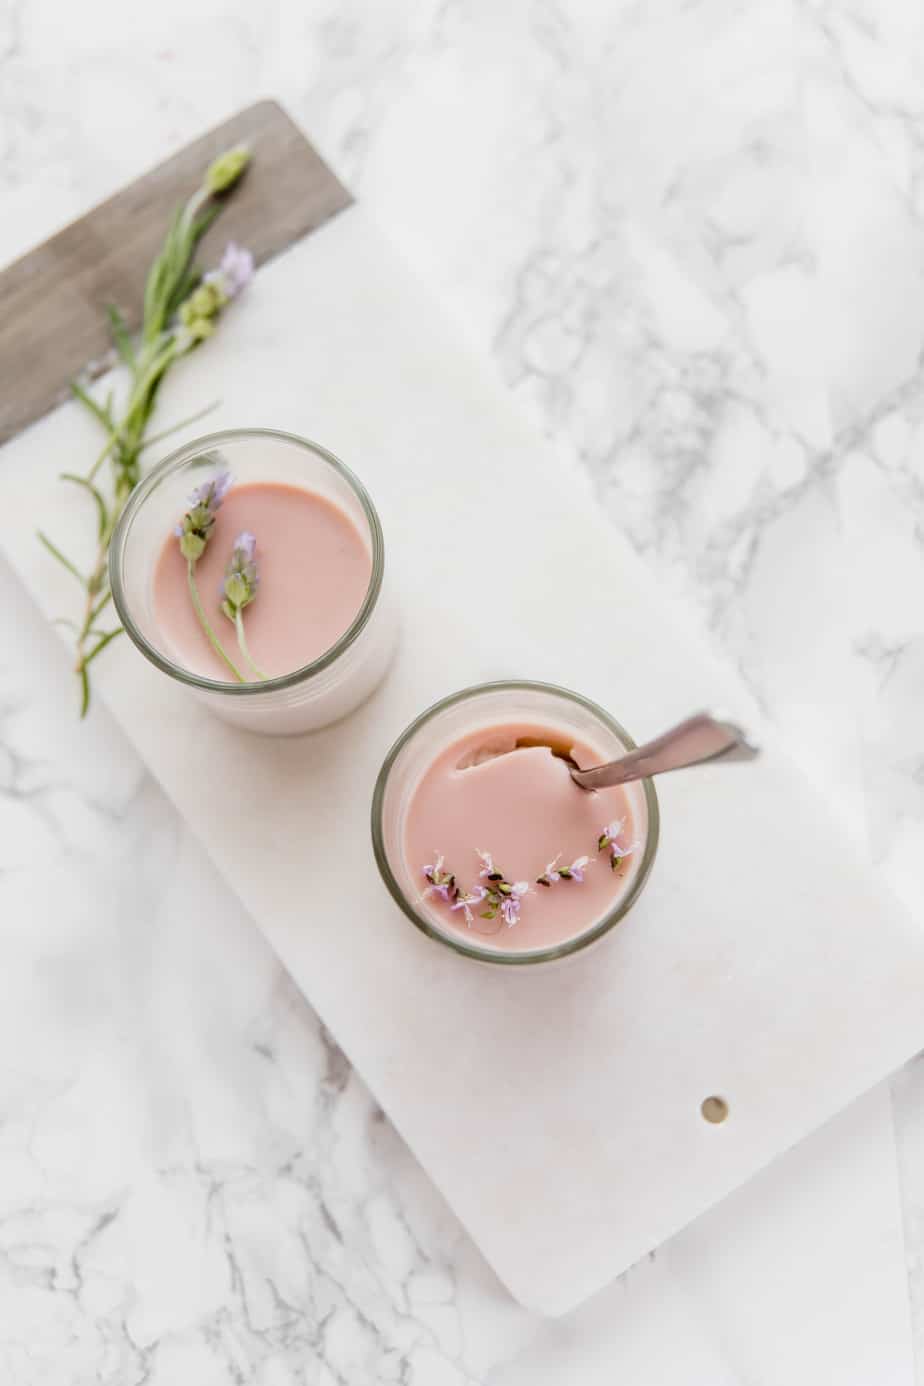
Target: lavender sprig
(196, 525)
(180, 310)
(239, 589)
(194, 532)
(609, 840)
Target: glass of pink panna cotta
(320, 627)
(487, 844)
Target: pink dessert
(488, 818)
(314, 569)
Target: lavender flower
(212, 493)
(238, 590)
(553, 872)
(502, 897)
(441, 883)
(235, 271)
(194, 529)
(610, 838)
(510, 904)
(194, 533)
(465, 902)
(241, 576)
(199, 311)
(488, 870)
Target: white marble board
(558, 1111)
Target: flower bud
(192, 546)
(224, 172)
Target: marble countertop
(194, 1185)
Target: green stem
(204, 623)
(198, 199)
(113, 439)
(239, 627)
(98, 597)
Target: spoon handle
(699, 738)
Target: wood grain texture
(52, 301)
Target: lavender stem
(239, 627)
(204, 622)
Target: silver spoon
(691, 742)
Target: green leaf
(162, 276)
(56, 553)
(101, 508)
(203, 222)
(121, 335)
(99, 413)
(113, 438)
(182, 291)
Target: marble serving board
(558, 1109)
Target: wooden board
(52, 301)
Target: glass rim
(460, 944)
(173, 462)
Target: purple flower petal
(212, 493)
(578, 868)
(487, 863)
(247, 545)
(236, 268)
(510, 909)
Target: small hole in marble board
(714, 1110)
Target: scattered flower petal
(609, 838)
(577, 868)
(510, 904)
(465, 902)
(551, 874)
(441, 883)
(488, 868)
